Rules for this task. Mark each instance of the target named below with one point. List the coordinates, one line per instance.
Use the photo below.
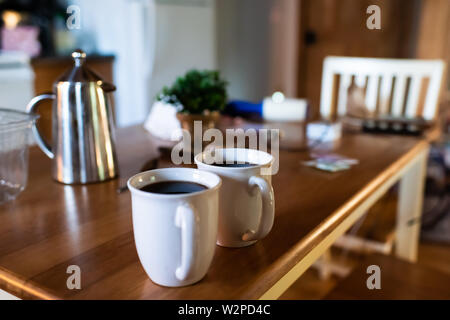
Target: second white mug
(246, 199)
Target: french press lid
(80, 73)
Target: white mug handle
(268, 209)
(186, 220)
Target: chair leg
(361, 245)
(323, 265)
(327, 266)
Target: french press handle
(31, 107)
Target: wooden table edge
(295, 261)
(22, 288)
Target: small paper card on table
(330, 162)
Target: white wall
(184, 38)
(244, 46)
(6, 296)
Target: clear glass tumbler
(15, 128)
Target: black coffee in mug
(173, 187)
(234, 164)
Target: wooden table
(51, 226)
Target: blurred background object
(259, 46)
(16, 80)
(14, 139)
(20, 38)
(28, 25)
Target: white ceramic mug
(246, 201)
(175, 234)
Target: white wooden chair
(392, 86)
(396, 87)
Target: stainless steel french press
(83, 142)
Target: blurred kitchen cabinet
(49, 69)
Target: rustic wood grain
(51, 226)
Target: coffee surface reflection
(173, 187)
(234, 164)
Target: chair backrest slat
(412, 103)
(392, 86)
(345, 82)
(360, 80)
(371, 93)
(432, 95)
(399, 95)
(385, 93)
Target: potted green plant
(198, 95)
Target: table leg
(409, 209)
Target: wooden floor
(309, 286)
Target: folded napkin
(162, 122)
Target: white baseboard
(7, 296)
